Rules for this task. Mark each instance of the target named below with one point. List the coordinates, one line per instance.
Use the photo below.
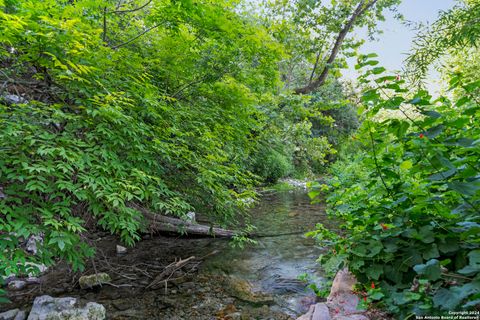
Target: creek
(259, 282)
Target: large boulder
(49, 308)
(341, 303)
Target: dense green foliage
(408, 195)
(406, 187)
(173, 106)
(187, 105)
(163, 121)
(456, 29)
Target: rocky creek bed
(219, 282)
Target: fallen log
(158, 222)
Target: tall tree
(318, 37)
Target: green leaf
(443, 175)
(431, 270)
(313, 194)
(465, 188)
(449, 299)
(394, 103)
(378, 295)
(474, 263)
(435, 131)
(374, 271)
(432, 114)
(431, 253)
(333, 264)
(406, 165)
(378, 70)
(443, 161)
(448, 245)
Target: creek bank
(341, 304)
(186, 295)
(201, 289)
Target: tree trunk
(158, 222)
(362, 7)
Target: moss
(93, 280)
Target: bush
(111, 122)
(272, 165)
(409, 201)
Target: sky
(394, 44)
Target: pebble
(16, 285)
(121, 250)
(93, 280)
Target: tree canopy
(111, 107)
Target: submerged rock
(244, 290)
(49, 308)
(14, 314)
(90, 281)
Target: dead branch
(131, 10)
(169, 270)
(136, 37)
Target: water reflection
(275, 264)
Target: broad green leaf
(465, 188)
(431, 270)
(449, 299)
(443, 175)
(474, 263)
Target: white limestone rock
(49, 308)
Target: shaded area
(221, 282)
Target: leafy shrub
(339, 116)
(272, 165)
(111, 122)
(409, 202)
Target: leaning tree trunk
(362, 7)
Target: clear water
(272, 267)
(276, 262)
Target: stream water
(258, 282)
(274, 265)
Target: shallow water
(276, 262)
(203, 290)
